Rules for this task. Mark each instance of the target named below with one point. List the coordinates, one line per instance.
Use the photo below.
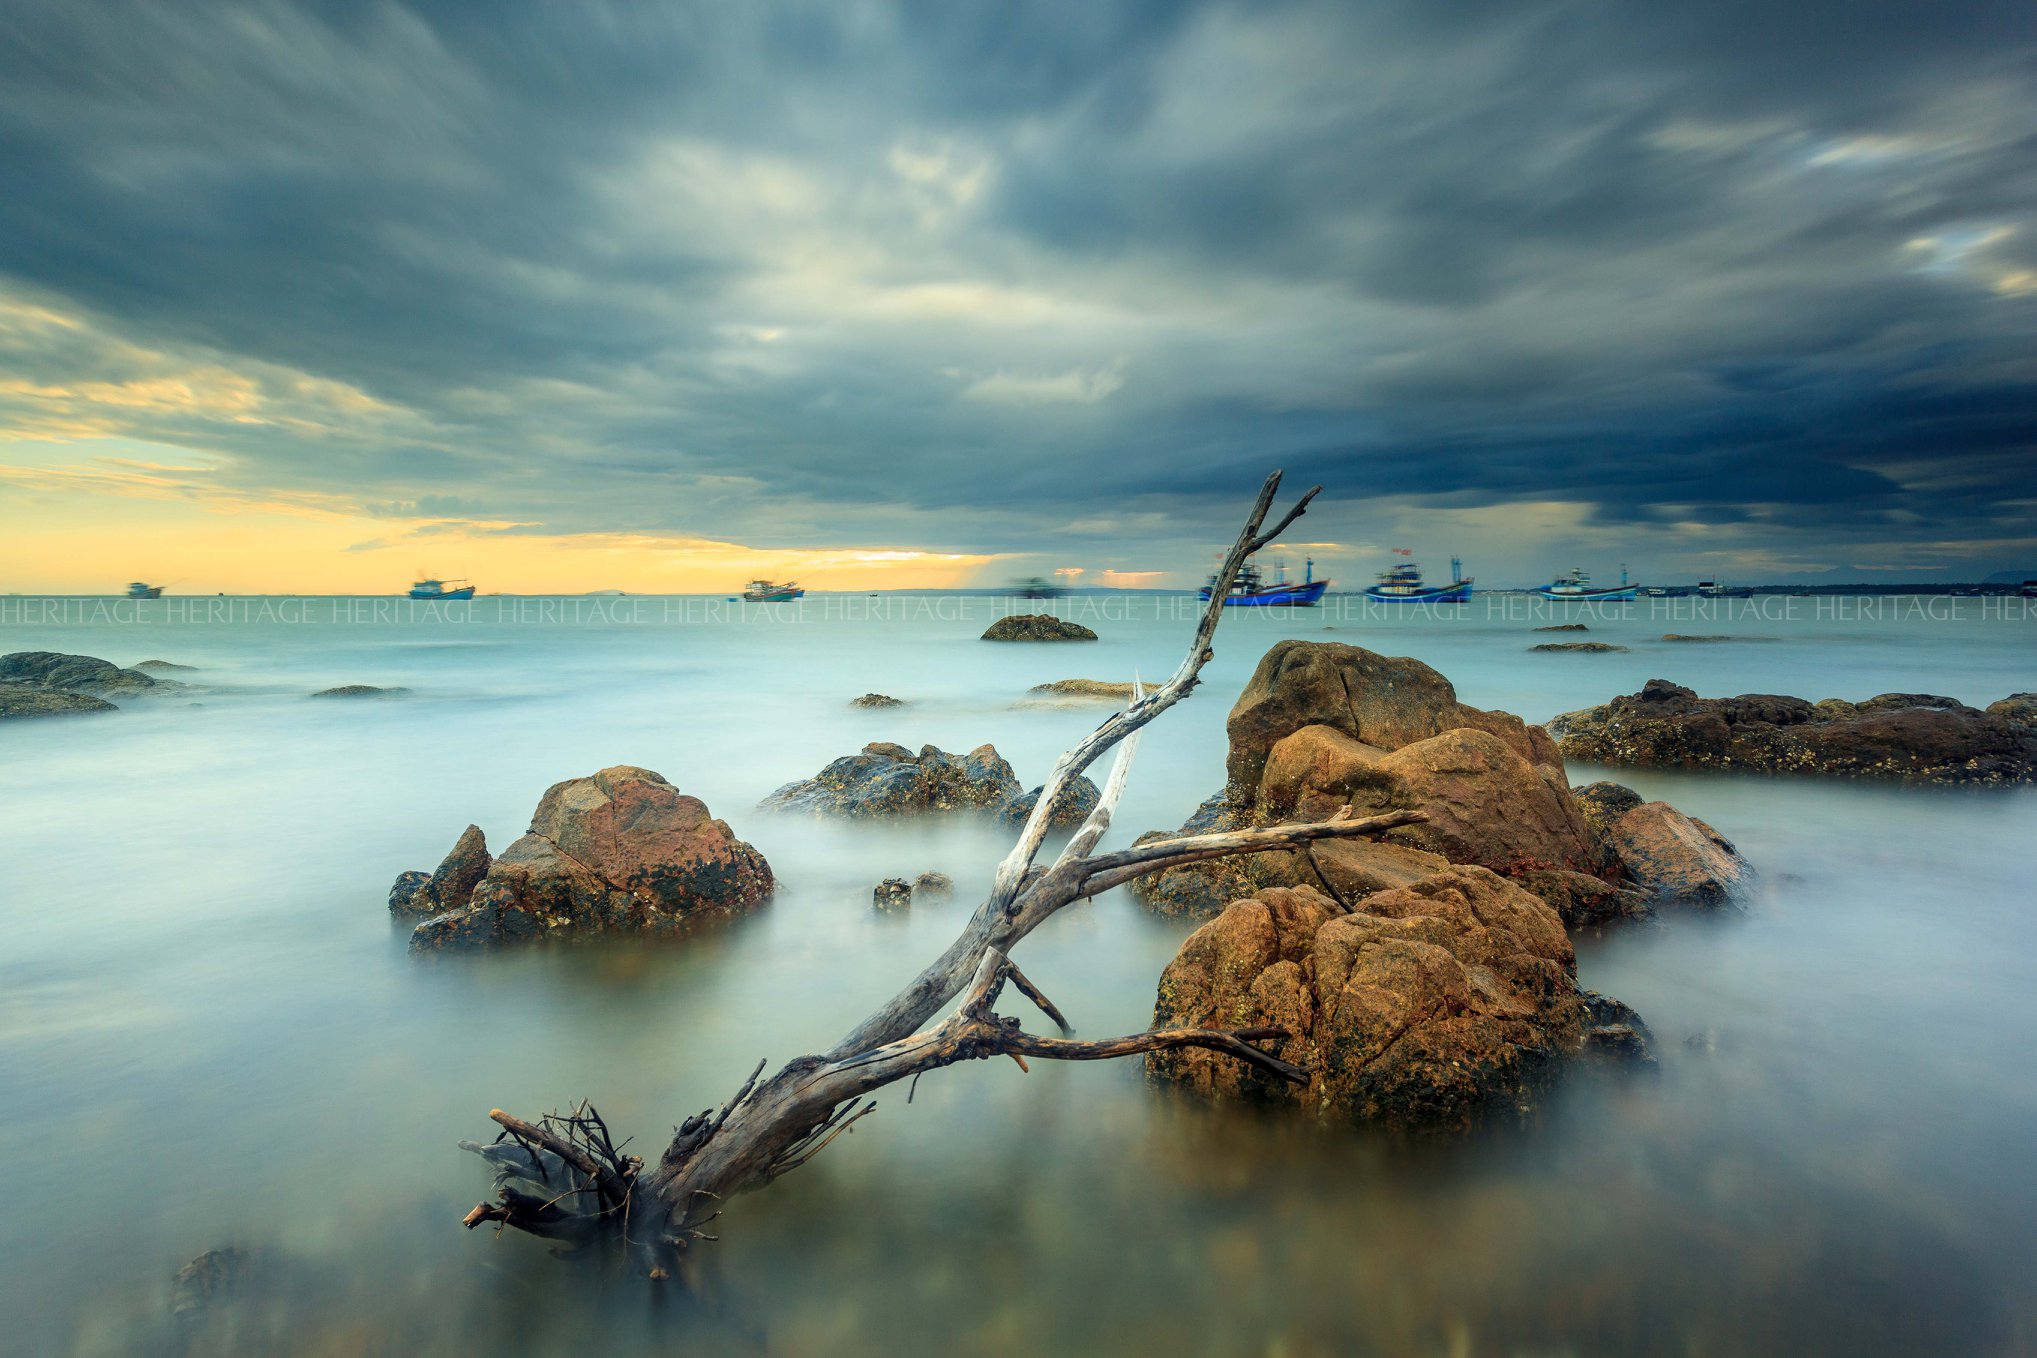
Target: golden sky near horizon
(87, 516)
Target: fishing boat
(1712, 589)
(1664, 592)
(2029, 590)
(1575, 587)
(142, 590)
(1251, 589)
(767, 592)
(1403, 585)
(442, 589)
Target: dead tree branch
(562, 1176)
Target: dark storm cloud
(856, 272)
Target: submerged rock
(936, 886)
(165, 666)
(1426, 1007)
(877, 700)
(86, 674)
(1676, 858)
(215, 1278)
(1910, 737)
(1564, 627)
(622, 851)
(1685, 636)
(892, 894)
(359, 691)
(887, 780)
(1101, 689)
(33, 700)
(1580, 647)
(1036, 627)
(1070, 808)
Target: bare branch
(1115, 869)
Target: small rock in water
(1036, 627)
(214, 1277)
(33, 700)
(1084, 688)
(359, 691)
(877, 700)
(1565, 627)
(1581, 647)
(1070, 809)
(933, 886)
(892, 894)
(888, 780)
(164, 665)
(1686, 636)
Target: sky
(655, 296)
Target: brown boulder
(1676, 858)
(1383, 701)
(1036, 627)
(1427, 1006)
(448, 888)
(620, 851)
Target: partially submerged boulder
(891, 895)
(936, 886)
(1426, 1007)
(360, 691)
(2018, 709)
(86, 674)
(1070, 808)
(1036, 627)
(1909, 737)
(622, 851)
(451, 886)
(164, 667)
(888, 780)
(1676, 858)
(1604, 802)
(877, 700)
(33, 700)
(1100, 689)
(1579, 647)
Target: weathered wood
(581, 1186)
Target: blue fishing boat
(143, 590)
(1252, 590)
(770, 592)
(1576, 588)
(1403, 585)
(442, 589)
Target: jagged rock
(86, 674)
(1580, 647)
(33, 700)
(936, 886)
(1036, 627)
(1676, 858)
(359, 691)
(886, 780)
(891, 894)
(1070, 809)
(448, 888)
(1910, 737)
(1425, 1007)
(1383, 701)
(877, 700)
(618, 852)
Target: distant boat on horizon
(1403, 585)
(768, 592)
(1712, 589)
(1575, 587)
(1252, 590)
(442, 589)
(141, 590)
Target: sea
(212, 1035)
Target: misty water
(211, 1034)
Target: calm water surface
(211, 1034)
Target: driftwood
(563, 1176)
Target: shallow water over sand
(210, 1033)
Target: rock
(1085, 688)
(1382, 701)
(892, 894)
(1070, 809)
(936, 886)
(33, 700)
(1428, 1007)
(359, 691)
(212, 1279)
(1581, 647)
(621, 851)
(887, 780)
(1910, 737)
(164, 666)
(404, 894)
(1565, 627)
(1603, 803)
(877, 700)
(2018, 709)
(1676, 858)
(1681, 636)
(86, 674)
(1036, 627)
